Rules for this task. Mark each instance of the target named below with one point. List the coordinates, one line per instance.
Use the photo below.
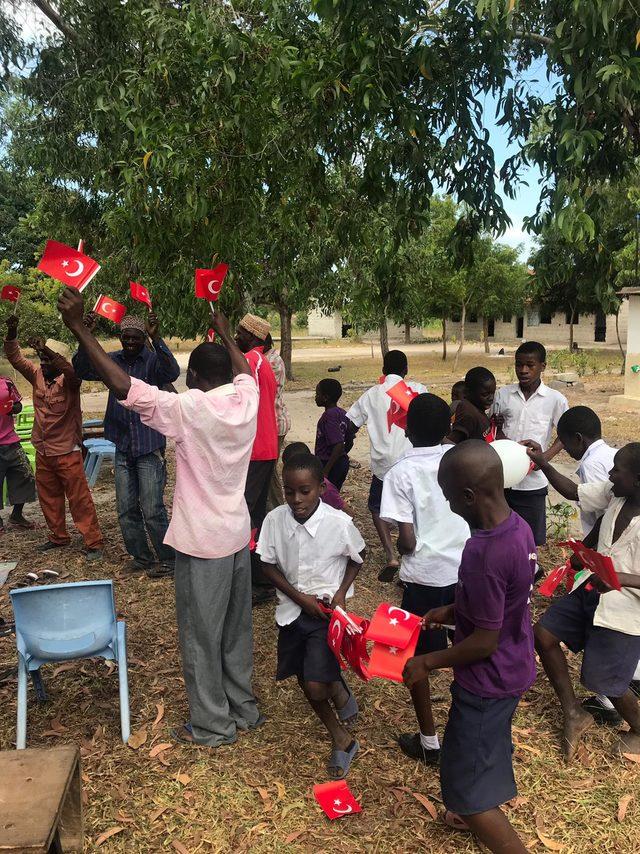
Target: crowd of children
(466, 548)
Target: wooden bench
(40, 801)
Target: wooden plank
(36, 788)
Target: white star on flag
(65, 263)
(337, 803)
(393, 650)
(393, 621)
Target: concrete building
(535, 324)
(631, 397)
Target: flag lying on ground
(10, 293)
(336, 799)
(109, 308)
(67, 265)
(209, 282)
(140, 293)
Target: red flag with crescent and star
(335, 799)
(393, 626)
(599, 564)
(109, 308)
(354, 649)
(209, 282)
(10, 293)
(387, 662)
(67, 265)
(401, 396)
(335, 637)
(211, 336)
(140, 293)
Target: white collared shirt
(618, 610)
(595, 465)
(371, 409)
(534, 418)
(312, 557)
(411, 493)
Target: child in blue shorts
(492, 656)
(311, 554)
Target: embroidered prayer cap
(130, 321)
(256, 326)
(58, 347)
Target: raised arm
(221, 327)
(13, 352)
(167, 370)
(58, 362)
(562, 484)
(71, 307)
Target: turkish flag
(401, 396)
(67, 265)
(393, 626)
(252, 541)
(336, 799)
(10, 293)
(209, 282)
(211, 336)
(354, 649)
(388, 662)
(109, 308)
(599, 564)
(335, 637)
(140, 293)
(562, 573)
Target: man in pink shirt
(213, 425)
(15, 469)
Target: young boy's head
(428, 420)
(209, 367)
(328, 393)
(480, 387)
(625, 474)
(472, 480)
(294, 449)
(457, 391)
(395, 362)
(578, 428)
(531, 360)
(303, 482)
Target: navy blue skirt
(476, 766)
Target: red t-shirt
(265, 446)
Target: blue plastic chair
(63, 622)
(99, 450)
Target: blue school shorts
(303, 651)
(476, 766)
(375, 495)
(609, 657)
(420, 598)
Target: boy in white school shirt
(602, 622)
(529, 409)
(387, 445)
(431, 541)
(311, 552)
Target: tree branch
(534, 37)
(55, 19)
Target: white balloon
(515, 461)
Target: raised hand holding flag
(211, 335)
(140, 294)
(209, 282)
(10, 293)
(67, 265)
(109, 308)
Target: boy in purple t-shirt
(492, 656)
(331, 436)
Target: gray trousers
(213, 608)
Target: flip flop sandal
(388, 573)
(341, 760)
(454, 821)
(181, 734)
(349, 712)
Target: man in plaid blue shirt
(140, 465)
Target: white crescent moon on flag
(346, 811)
(107, 306)
(405, 614)
(211, 286)
(78, 272)
(335, 635)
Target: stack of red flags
(562, 573)
(401, 396)
(347, 640)
(599, 564)
(394, 632)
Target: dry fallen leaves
(155, 815)
(623, 805)
(183, 779)
(179, 847)
(137, 739)
(549, 843)
(108, 834)
(293, 836)
(427, 804)
(632, 757)
(159, 715)
(160, 748)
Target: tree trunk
(461, 344)
(485, 333)
(444, 339)
(573, 314)
(622, 350)
(407, 332)
(384, 336)
(286, 345)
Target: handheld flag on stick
(10, 293)
(140, 293)
(401, 396)
(67, 265)
(109, 308)
(209, 282)
(211, 335)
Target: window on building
(456, 317)
(533, 317)
(473, 318)
(545, 315)
(507, 318)
(491, 328)
(576, 317)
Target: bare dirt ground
(257, 794)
